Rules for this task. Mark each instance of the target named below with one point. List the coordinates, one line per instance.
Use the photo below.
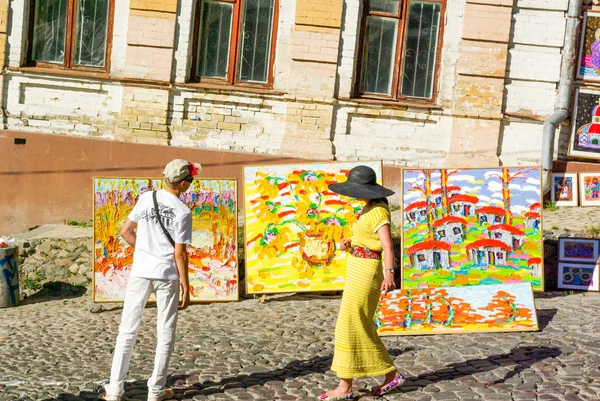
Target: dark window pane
(215, 39)
(255, 41)
(90, 33)
(421, 48)
(379, 54)
(384, 6)
(49, 28)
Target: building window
(421, 257)
(400, 48)
(70, 33)
(457, 231)
(234, 41)
(442, 233)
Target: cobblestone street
(282, 350)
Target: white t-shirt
(153, 256)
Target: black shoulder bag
(160, 220)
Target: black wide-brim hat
(361, 184)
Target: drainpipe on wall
(567, 76)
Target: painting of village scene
(578, 276)
(294, 225)
(585, 131)
(455, 310)
(472, 226)
(213, 264)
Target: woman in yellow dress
(359, 352)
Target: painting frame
(537, 262)
(587, 15)
(192, 251)
(595, 275)
(577, 124)
(574, 189)
(512, 303)
(562, 244)
(252, 288)
(584, 188)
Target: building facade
(415, 83)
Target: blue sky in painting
(482, 183)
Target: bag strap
(160, 220)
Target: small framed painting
(581, 250)
(564, 189)
(589, 189)
(584, 140)
(577, 276)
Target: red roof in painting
(448, 190)
(532, 215)
(463, 198)
(415, 205)
(534, 261)
(488, 243)
(534, 205)
(506, 227)
(449, 219)
(429, 245)
(490, 210)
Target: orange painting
(485, 308)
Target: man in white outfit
(160, 266)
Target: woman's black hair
(383, 200)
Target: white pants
(167, 300)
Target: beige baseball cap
(178, 169)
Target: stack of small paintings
(578, 264)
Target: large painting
(585, 125)
(589, 50)
(294, 225)
(472, 226)
(455, 310)
(213, 262)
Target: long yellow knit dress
(359, 351)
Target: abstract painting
(589, 51)
(294, 225)
(582, 250)
(564, 191)
(471, 227)
(456, 310)
(584, 140)
(589, 189)
(213, 262)
(577, 276)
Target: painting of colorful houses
(456, 310)
(585, 121)
(472, 226)
(213, 258)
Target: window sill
(396, 104)
(61, 72)
(230, 88)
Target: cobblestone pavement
(282, 349)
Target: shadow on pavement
(54, 290)
(521, 358)
(545, 316)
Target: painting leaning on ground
(472, 226)
(213, 264)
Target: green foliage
(555, 227)
(79, 223)
(594, 230)
(550, 206)
(34, 283)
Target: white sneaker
(110, 397)
(167, 395)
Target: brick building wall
(497, 81)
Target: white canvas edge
(561, 255)
(575, 189)
(595, 285)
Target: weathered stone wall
(66, 263)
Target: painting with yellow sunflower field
(213, 260)
(294, 225)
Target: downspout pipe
(565, 87)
